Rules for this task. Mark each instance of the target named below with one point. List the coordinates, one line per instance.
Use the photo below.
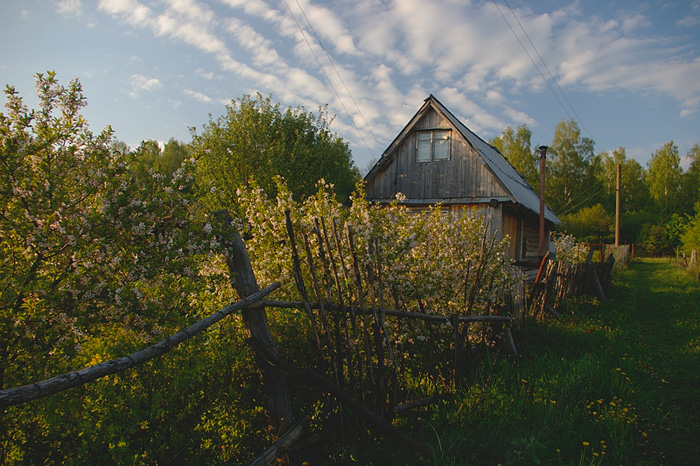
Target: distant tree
(590, 224)
(634, 192)
(173, 155)
(255, 140)
(690, 182)
(652, 239)
(143, 159)
(571, 182)
(690, 237)
(515, 146)
(148, 158)
(664, 178)
(119, 147)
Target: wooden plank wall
(464, 175)
(511, 227)
(531, 238)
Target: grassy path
(612, 382)
(661, 308)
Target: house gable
(461, 177)
(474, 173)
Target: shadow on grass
(611, 382)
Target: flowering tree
(88, 251)
(569, 250)
(430, 260)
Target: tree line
(107, 249)
(660, 209)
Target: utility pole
(617, 205)
(543, 155)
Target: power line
(337, 73)
(597, 183)
(308, 44)
(546, 81)
(573, 208)
(547, 68)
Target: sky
(627, 71)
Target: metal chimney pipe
(543, 156)
(617, 206)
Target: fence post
(255, 322)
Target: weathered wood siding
(464, 175)
(511, 227)
(530, 241)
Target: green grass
(612, 382)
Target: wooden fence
(622, 254)
(351, 326)
(558, 281)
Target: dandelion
(585, 444)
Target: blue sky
(627, 71)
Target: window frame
(432, 143)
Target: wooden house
(437, 159)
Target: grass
(611, 382)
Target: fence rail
(346, 307)
(35, 391)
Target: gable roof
(518, 189)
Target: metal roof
(520, 190)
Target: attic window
(432, 145)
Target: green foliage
(52, 173)
(690, 237)
(424, 257)
(664, 178)
(634, 192)
(570, 176)
(568, 250)
(103, 251)
(95, 263)
(606, 384)
(515, 146)
(255, 141)
(690, 182)
(590, 224)
(148, 158)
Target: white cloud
(140, 82)
(633, 22)
(328, 26)
(70, 8)
(198, 96)
(692, 18)
(392, 54)
(473, 115)
(262, 49)
(130, 11)
(205, 74)
(519, 117)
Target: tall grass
(613, 382)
